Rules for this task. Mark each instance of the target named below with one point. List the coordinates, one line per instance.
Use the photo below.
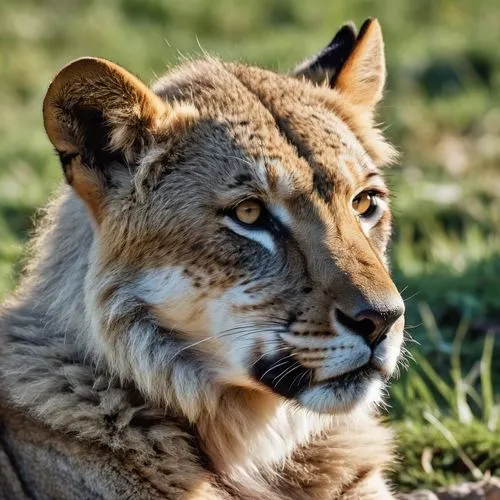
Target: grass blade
(476, 473)
(462, 407)
(486, 379)
(441, 386)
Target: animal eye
(365, 204)
(248, 211)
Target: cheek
(238, 320)
(197, 313)
(186, 315)
(227, 306)
(174, 298)
(224, 319)
(380, 234)
(193, 303)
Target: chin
(359, 390)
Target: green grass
(447, 425)
(442, 110)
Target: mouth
(287, 377)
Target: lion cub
(208, 312)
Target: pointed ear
(362, 77)
(324, 66)
(99, 118)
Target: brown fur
(140, 354)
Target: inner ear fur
(98, 116)
(362, 77)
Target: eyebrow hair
(373, 173)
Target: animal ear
(353, 64)
(362, 77)
(99, 117)
(324, 66)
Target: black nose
(372, 324)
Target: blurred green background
(442, 110)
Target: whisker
(411, 296)
(284, 348)
(261, 342)
(206, 339)
(409, 338)
(277, 364)
(418, 325)
(308, 372)
(244, 327)
(287, 372)
(255, 328)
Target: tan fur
(362, 77)
(140, 354)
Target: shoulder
(38, 461)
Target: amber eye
(248, 211)
(365, 204)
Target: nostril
(383, 319)
(364, 326)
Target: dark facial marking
(66, 158)
(323, 184)
(284, 375)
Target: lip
(365, 371)
(373, 366)
(290, 379)
(378, 366)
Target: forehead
(268, 128)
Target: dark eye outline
(374, 197)
(263, 222)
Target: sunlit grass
(446, 416)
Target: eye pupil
(364, 204)
(248, 212)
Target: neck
(252, 431)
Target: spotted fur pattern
(158, 348)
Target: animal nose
(372, 323)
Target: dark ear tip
(349, 25)
(345, 34)
(366, 24)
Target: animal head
(241, 223)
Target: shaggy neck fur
(251, 432)
(50, 366)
